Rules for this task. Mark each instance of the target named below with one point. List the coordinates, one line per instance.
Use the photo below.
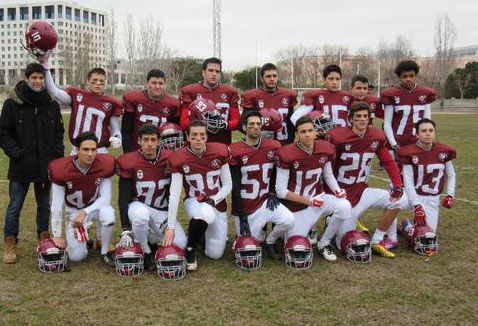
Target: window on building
(1, 15)
(93, 18)
(77, 15)
(85, 17)
(12, 14)
(36, 12)
(49, 12)
(60, 23)
(59, 11)
(102, 20)
(68, 12)
(23, 13)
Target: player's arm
(329, 178)
(283, 192)
(8, 139)
(233, 117)
(450, 185)
(115, 132)
(409, 184)
(226, 185)
(60, 95)
(58, 198)
(390, 166)
(236, 190)
(303, 110)
(184, 117)
(387, 125)
(173, 205)
(104, 197)
(290, 126)
(127, 127)
(124, 198)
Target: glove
(396, 193)
(244, 228)
(81, 233)
(419, 218)
(115, 141)
(447, 202)
(316, 201)
(340, 193)
(272, 202)
(203, 198)
(395, 152)
(126, 239)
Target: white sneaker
(327, 253)
(191, 262)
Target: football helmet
(205, 110)
(129, 261)
(51, 258)
(322, 121)
(298, 252)
(247, 253)
(356, 247)
(422, 240)
(40, 37)
(170, 262)
(271, 122)
(171, 136)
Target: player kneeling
(144, 193)
(83, 182)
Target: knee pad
(288, 221)
(344, 209)
(139, 215)
(215, 249)
(106, 216)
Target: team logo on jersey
(198, 96)
(396, 99)
(347, 147)
(79, 97)
(323, 160)
(346, 99)
(245, 159)
(216, 163)
(321, 99)
(374, 145)
(270, 155)
(186, 168)
(140, 107)
(422, 99)
(223, 96)
(69, 185)
(139, 174)
(260, 103)
(442, 156)
(296, 165)
(285, 101)
(107, 106)
(372, 106)
(166, 111)
(97, 181)
(415, 159)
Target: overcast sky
(277, 24)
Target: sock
(377, 236)
(392, 231)
(106, 236)
(196, 230)
(331, 229)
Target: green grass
(406, 290)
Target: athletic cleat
(273, 251)
(380, 250)
(108, 259)
(362, 227)
(389, 244)
(312, 236)
(148, 263)
(327, 253)
(191, 262)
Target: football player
(91, 109)
(151, 105)
(332, 101)
(144, 193)
(299, 169)
(356, 147)
(253, 199)
(203, 170)
(224, 97)
(83, 183)
(273, 97)
(404, 105)
(426, 166)
(360, 90)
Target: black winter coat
(31, 133)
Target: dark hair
(422, 121)
(371, 86)
(407, 65)
(211, 60)
(148, 129)
(196, 123)
(303, 120)
(97, 70)
(155, 73)
(250, 113)
(331, 68)
(34, 67)
(87, 135)
(267, 66)
(358, 106)
(358, 78)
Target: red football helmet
(298, 252)
(40, 37)
(171, 136)
(271, 122)
(322, 121)
(205, 110)
(170, 262)
(247, 253)
(356, 247)
(129, 261)
(51, 258)
(422, 240)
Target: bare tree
(390, 54)
(149, 48)
(81, 57)
(445, 37)
(291, 64)
(112, 47)
(130, 45)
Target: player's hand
(43, 60)
(79, 219)
(340, 193)
(419, 218)
(81, 234)
(244, 227)
(59, 242)
(316, 201)
(126, 239)
(203, 198)
(447, 202)
(272, 202)
(168, 237)
(115, 141)
(396, 194)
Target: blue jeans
(17, 192)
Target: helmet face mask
(129, 261)
(170, 263)
(51, 259)
(322, 122)
(171, 137)
(205, 110)
(298, 253)
(214, 121)
(247, 253)
(426, 244)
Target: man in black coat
(31, 134)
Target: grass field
(405, 290)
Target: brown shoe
(44, 235)
(10, 254)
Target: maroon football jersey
(201, 173)
(256, 165)
(354, 158)
(376, 107)
(428, 166)
(92, 113)
(305, 169)
(408, 108)
(147, 110)
(151, 179)
(335, 104)
(282, 100)
(81, 190)
(223, 96)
